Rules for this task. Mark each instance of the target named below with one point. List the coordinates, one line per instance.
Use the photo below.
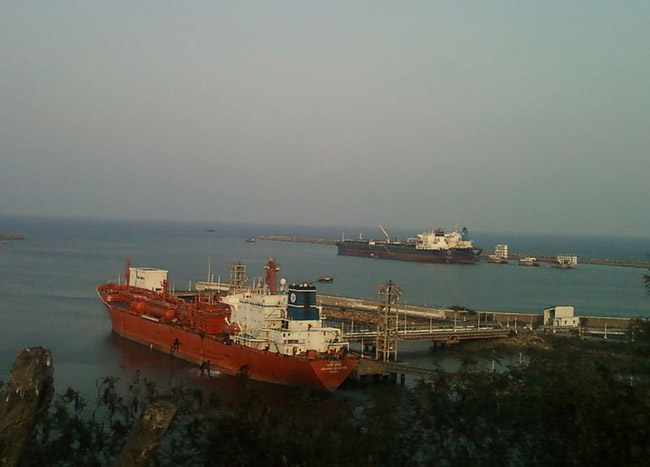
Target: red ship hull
(201, 348)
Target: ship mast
(127, 273)
(210, 231)
(238, 276)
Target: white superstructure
(288, 323)
(437, 239)
(147, 278)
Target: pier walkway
(350, 309)
(444, 335)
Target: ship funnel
(301, 303)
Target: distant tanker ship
(434, 246)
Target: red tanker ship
(258, 332)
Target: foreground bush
(577, 404)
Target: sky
(521, 116)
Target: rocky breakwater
(8, 236)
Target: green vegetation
(573, 402)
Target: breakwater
(11, 237)
(285, 238)
(596, 261)
(484, 256)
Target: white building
(561, 317)
(501, 251)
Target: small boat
(251, 240)
(496, 260)
(326, 279)
(528, 261)
(565, 262)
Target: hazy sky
(531, 116)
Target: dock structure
(383, 324)
(376, 370)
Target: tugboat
(565, 262)
(496, 259)
(528, 261)
(257, 332)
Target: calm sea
(48, 280)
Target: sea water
(48, 280)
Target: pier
(370, 369)
(356, 313)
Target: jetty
(356, 312)
(415, 322)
